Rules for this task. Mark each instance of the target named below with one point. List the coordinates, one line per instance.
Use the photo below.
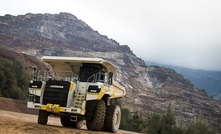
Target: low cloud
(184, 33)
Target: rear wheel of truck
(42, 117)
(113, 118)
(97, 119)
(66, 122)
(79, 124)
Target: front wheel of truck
(42, 117)
(97, 119)
(113, 118)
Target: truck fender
(90, 105)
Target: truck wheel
(42, 117)
(79, 124)
(97, 120)
(65, 122)
(113, 118)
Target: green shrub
(13, 79)
(199, 126)
(166, 124)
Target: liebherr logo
(93, 91)
(56, 86)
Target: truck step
(79, 100)
(73, 118)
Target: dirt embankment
(15, 117)
(16, 106)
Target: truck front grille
(56, 92)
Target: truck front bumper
(55, 108)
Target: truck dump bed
(73, 65)
(119, 90)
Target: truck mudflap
(55, 108)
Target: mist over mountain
(149, 88)
(210, 81)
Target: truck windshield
(91, 73)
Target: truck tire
(113, 118)
(66, 122)
(42, 117)
(97, 119)
(79, 124)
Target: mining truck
(78, 90)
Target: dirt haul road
(19, 123)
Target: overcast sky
(176, 32)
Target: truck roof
(53, 60)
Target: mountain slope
(149, 89)
(210, 81)
(27, 61)
(54, 30)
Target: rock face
(210, 81)
(149, 88)
(61, 30)
(187, 100)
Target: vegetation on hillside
(13, 79)
(163, 124)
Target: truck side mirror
(34, 73)
(110, 78)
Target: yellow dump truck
(78, 90)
